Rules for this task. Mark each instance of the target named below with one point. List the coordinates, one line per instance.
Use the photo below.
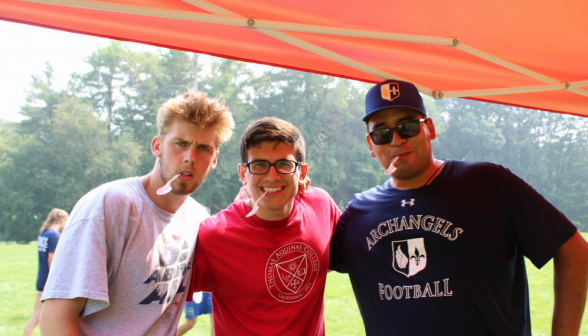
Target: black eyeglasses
(384, 136)
(263, 167)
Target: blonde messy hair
(54, 217)
(198, 110)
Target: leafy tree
(100, 130)
(54, 158)
(106, 83)
(127, 88)
(548, 150)
(328, 112)
(234, 82)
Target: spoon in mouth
(255, 206)
(391, 169)
(167, 187)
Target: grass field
(19, 271)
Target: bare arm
(50, 258)
(60, 317)
(186, 326)
(570, 279)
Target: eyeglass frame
(396, 129)
(296, 163)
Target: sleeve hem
(88, 294)
(542, 261)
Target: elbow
(572, 256)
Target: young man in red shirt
(267, 271)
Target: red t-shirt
(267, 277)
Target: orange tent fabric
(529, 53)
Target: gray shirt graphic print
(130, 259)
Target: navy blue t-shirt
(47, 242)
(447, 258)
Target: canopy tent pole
(339, 58)
(267, 27)
(308, 46)
(493, 92)
(513, 67)
(211, 8)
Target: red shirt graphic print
(267, 277)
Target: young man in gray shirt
(121, 267)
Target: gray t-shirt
(130, 258)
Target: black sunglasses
(384, 136)
(263, 167)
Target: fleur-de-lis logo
(409, 256)
(390, 91)
(417, 256)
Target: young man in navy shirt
(439, 248)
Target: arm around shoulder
(60, 316)
(570, 280)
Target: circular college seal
(291, 272)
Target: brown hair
(198, 110)
(55, 216)
(273, 129)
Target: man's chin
(183, 190)
(278, 206)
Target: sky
(25, 49)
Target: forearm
(60, 317)
(184, 327)
(570, 279)
(50, 259)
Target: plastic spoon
(167, 187)
(255, 206)
(391, 169)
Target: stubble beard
(412, 171)
(183, 188)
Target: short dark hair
(273, 129)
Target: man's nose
(397, 140)
(190, 155)
(272, 174)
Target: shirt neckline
(438, 179)
(160, 211)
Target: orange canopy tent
(529, 53)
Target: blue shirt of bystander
(47, 243)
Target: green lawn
(19, 267)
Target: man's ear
(214, 162)
(303, 171)
(156, 146)
(241, 169)
(370, 145)
(431, 128)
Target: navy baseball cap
(393, 93)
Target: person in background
(47, 243)
(201, 305)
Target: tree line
(100, 128)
